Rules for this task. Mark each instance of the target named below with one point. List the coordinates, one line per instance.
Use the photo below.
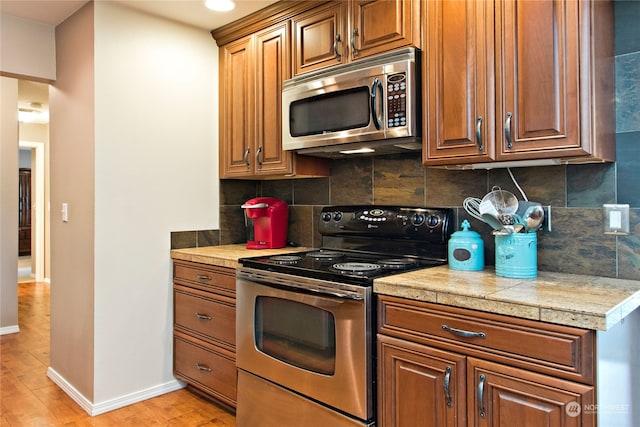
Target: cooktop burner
(325, 255)
(285, 259)
(356, 267)
(398, 263)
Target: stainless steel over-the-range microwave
(369, 106)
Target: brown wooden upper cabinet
(518, 80)
(339, 32)
(252, 70)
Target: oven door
(306, 336)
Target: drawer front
(205, 368)
(222, 279)
(552, 346)
(206, 316)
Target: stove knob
(326, 216)
(417, 219)
(337, 216)
(433, 220)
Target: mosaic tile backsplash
(576, 193)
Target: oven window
(296, 333)
(330, 112)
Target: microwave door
(334, 112)
(330, 112)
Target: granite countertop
(574, 300)
(226, 255)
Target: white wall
(31, 51)
(155, 172)
(8, 205)
(72, 154)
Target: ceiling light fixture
(220, 5)
(33, 115)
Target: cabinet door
(382, 25)
(499, 395)
(320, 37)
(273, 61)
(237, 108)
(459, 89)
(419, 386)
(537, 76)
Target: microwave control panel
(397, 100)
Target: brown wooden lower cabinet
(432, 372)
(500, 395)
(204, 329)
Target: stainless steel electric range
(306, 320)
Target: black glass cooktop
(338, 266)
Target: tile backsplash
(576, 193)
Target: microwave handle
(376, 115)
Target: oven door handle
(299, 284)
(334, 294)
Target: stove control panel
(392, 221)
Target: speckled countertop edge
(226, 255)
(587, 302)
(573, 300)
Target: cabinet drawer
(563, 351)
(212, 318)
(205, 368)
(220, 279)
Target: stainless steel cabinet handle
(203, 316)
(354, 49)
(483, 412)
(335, 47)
(258, 162)
(463, 333)
(479, 133)
(246, 158)
(447, 392)
(203, 277)
(507, 130)
(202, 368)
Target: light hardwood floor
(29, 398)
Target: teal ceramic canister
(466, 249)
(517, 255)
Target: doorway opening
(35, 258)
(33, 135)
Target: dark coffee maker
(266, 219)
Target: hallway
(29, 398)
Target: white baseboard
(9, 330)
(94, 409)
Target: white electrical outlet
(616, 219)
